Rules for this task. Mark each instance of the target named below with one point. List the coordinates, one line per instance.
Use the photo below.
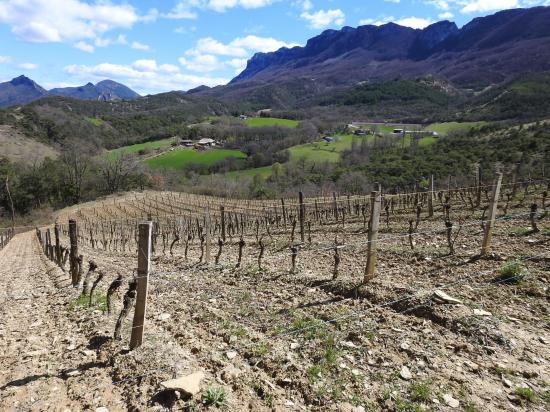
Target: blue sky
(155, 46)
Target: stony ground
(431, 332)
(47, 363)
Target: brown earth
(272, 340)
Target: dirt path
(45, 362)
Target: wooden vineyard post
(57, 245)
(222, 213)
(302, 217)
(144, 267)
(207, 234)
(48, 244)
(376, 200)
(431, 197)
(73, 257)
(488, 232)
(478, 188)
(284, 212)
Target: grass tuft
(511, 272)
(526, 394)
(214, 396)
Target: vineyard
(393, 301)
(5, 237)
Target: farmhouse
(329, 139)
(206, 142)
(243, 117)
(186, 143)
(397, 131)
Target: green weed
(526, 394)
(214, 396)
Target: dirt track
(45, 363)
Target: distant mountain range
(485, 52)
(23, 90)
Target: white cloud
(5, 59)
(376, 22)
(393, 1)
(305, 5)
(144, 76)
(324, 18)
(186, 9)
(476, 6)
(27, 66)
(139, 46)
(446, 15)
(439, 4)
(238, 64)
(86, 47)
(481, 6)
(413, 22)
(239, 47)
(70, 21)
(152, 15)
(205, 55)
(202, 63)
(182, 10)
(105, 42)
(209, 45)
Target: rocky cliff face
(491, 48)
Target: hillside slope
(487, 51)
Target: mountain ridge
(485, 51)
(23, 90)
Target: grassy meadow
(135, 148)
(270, 121)
(181, 158)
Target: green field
(322, 152)
(446, 128)
(180, 158)
(325, 151)
(135, 148)
(264, 172)
(270, 121)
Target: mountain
(106, 90)
(20, 90)
(485, 52)
(198, 89)
(23, 90)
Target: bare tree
(116, 170)
(76, 163)
(11, 202)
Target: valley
(355, 219)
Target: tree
(76, 164)
(116, 171)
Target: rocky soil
(432, 332)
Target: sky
(158, 46)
